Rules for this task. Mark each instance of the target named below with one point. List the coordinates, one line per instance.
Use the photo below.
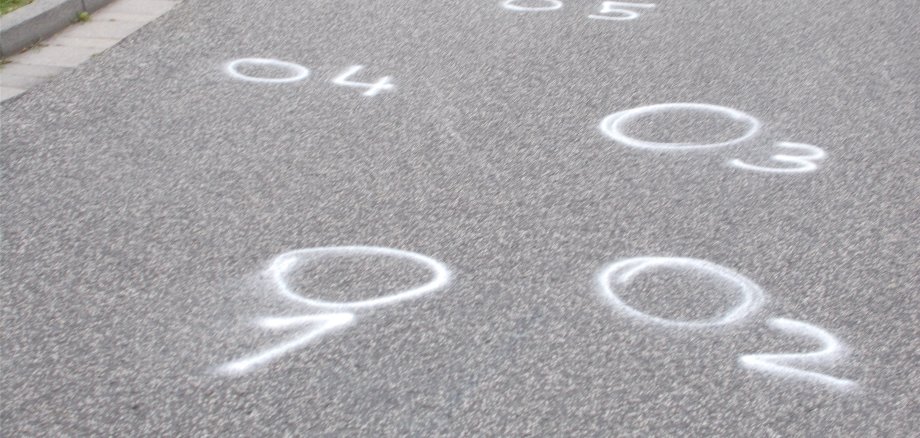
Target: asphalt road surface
(154, 200)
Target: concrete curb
(34, 22)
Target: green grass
(9, 5)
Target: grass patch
(9, 5)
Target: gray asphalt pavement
(147, 194)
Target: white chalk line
(621, 274)
(322, 324)
(612, 126)
(783, 364)
(298, 71)
(284, 262)
(287, 322)
(620, 8)
(511, 6)
(806, 163)
(372, 88)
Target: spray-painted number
(613, 126)
(616, 277)
(532, 6)
(296, 72)
(620, 11)
(612, 280)
(782, 364)
(342, 313)
(372, 89)
(613, 11)
(804, 163)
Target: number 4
(372, 89)
(619, 8)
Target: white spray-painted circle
(623, 271)
(612, 125)
(552, 6)
(284, 262)
(298, 72)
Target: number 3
(806, 163)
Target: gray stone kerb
(40, 19)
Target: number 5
(618, 8)
(805, 162)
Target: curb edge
(30, 24)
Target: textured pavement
(77, 44)
(146, 192)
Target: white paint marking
(322, 324)
(783, 364)
(298, 72)
(286, 322)
(612, 125)
(806, 163)
(284, 262)
(553, 5)
(621, 274)
(373, 89)
(620, 8)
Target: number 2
(784, 363)
(619, 8)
